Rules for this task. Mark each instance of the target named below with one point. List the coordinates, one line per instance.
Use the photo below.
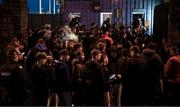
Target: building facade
(120, 11)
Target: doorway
(138, 18)
(104, 16)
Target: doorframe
(101, 17)
(138, 11)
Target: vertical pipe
(127, 12)
(54, 7)
(49, 6)
(40, 7)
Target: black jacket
(14, 86)
(62, 77)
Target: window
(44, 6)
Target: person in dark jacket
(39, 75)
(39, 47)
(154, 75)
(133, 79)
(94, 80)
(15, 84)
(52, 99)
(107, 79)
(63, 83)
(121, 66)
(78, 84)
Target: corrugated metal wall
(127, 7)
(84, 8)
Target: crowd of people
(76, 66)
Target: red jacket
(172, 69)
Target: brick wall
(13, 22)
(13, 19)
(174, 21)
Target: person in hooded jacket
(39, 47)
(154, 75)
